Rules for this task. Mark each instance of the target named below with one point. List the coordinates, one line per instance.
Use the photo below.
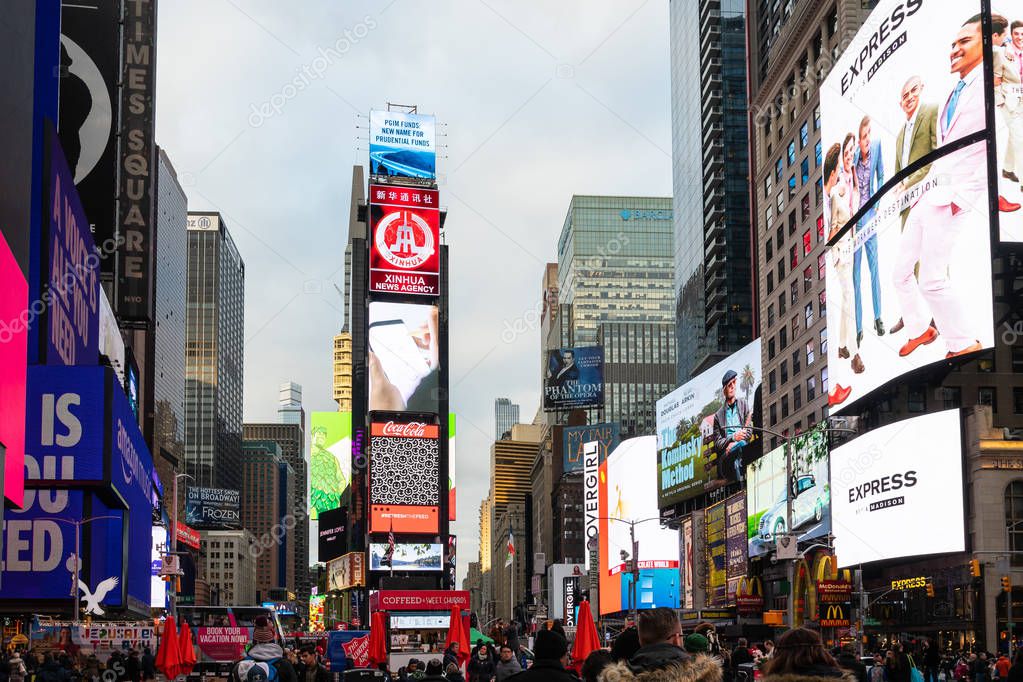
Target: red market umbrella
(168, 659)
(377, 640)
(457, 633)
(586, 638)
(186, 650)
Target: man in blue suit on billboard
(868, 167)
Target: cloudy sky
(262, 107)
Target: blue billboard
(402, 145)
(81, 432)
(574, 378)
(573, 438)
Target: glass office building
(214, 354)
(615, 290)
(710, 170)
(506, 413)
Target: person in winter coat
(741, 654)
(594, 665)
(148, 665)
(435, 671)
(625, 645)
(932, 661)
(551, 652)
(481, 666)
(661, 659)
(897, 666)
(451, 655)
(18, 672)
(50, 671)
(453, 673)
(309, 667)
(511, 635)
(848, 660)
(1016, 671)
(507, 666)
(800, 657)
(265, 652)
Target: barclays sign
(645, 214)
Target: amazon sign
(87, 467)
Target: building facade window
(988, 395)
(1014, 519)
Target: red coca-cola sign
(405, 430)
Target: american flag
(389, 556)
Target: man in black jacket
(309, 667)
(660, 638)
(551, 657)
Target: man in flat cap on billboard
(732, 428)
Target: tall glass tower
(615, 283)
(506, 413)
(214, 354)
(713, 260)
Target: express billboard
(574, 437)
(574, 378)
(894, 475)
(768, 493)
(697, 450)
(404, 255)
(398, 501)
(402, 145)
(1007, 63)
(404, 357)
(330, 460)
(421, 556)
(212, 508)
(907, 203)
(628, 494)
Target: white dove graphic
(92, 599)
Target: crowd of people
(70, 666)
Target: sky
(262, 107)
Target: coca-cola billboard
(399, 502)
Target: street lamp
(78, 523)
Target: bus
(223, 634)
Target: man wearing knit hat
(265, 660)
(551, 656)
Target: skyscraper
(506, 413)
(342, 387)
(289, 404)
(214, 358)
(169, 326)
(615, 286)
(713, 290)
(267, 487)
(290, 438)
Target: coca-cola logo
(409, 430)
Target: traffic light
(1006, 583)
(975, 568)
(930, 589)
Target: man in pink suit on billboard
(945, 212)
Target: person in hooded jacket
(661, 658)
(801, 657)
(551, 652)
(265, 649)
(481, 665)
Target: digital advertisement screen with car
(767, 493)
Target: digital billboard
(330, 460)
(452, 490)
(686, 552)
(1007, 51)
(574, 378)
(627, 492)
(736, 547)
(332, 534)
(400, 502)
(767, 493)
(574, 437)
(887, 101)
(402, 145)
(407, 557)
(906, 196)
(212, 508)
(404, 358)
(717, 573)
(404, 256)
(13, 372)
(697, 450)
(896, 475)
(932, 297)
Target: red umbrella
(457, 633)
(377, 640)
(168, 659)
(186, 650)
(586, 638)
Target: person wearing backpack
(265, 661)
(18, 673)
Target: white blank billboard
(897, 491)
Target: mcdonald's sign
(749, 597)
(834, 615)
(833, 591)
